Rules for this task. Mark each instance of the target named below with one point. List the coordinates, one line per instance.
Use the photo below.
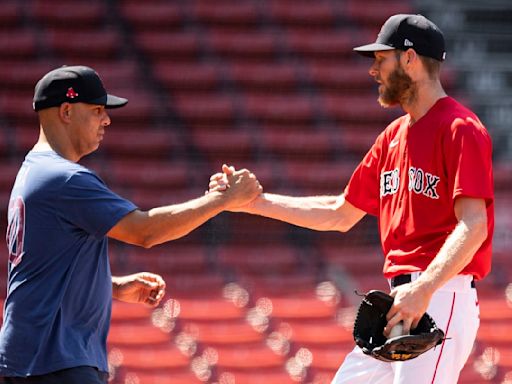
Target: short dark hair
(432, 66)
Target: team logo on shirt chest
(420, 182)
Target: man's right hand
(240, 187)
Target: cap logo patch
(71, 94)
(408, 43)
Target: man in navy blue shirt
(58, 305)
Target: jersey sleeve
(362, 190)
(469, 160)
(90, 205)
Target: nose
(373, 69)
(106, 119)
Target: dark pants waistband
(404, 279)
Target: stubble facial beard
(402, 90)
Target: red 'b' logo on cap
(71, 94)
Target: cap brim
(115, 102)
(369, 50)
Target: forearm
(457, 252)
(158, 225)
(321, 213)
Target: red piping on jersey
(444, 341)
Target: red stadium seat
(256, 260)
(86, 44)
(169, 258)
(224, 13)
(17, 108)
(174, 376)
(264, 77)
(284, 109)
(207, 109)
(151, 357)
(320, 176)
(359, 138)
(128, 143)
(130, 313)
(247, 356)
(139, 114)
(246, 230)
(302, 306)
(359, 108)
(8, 170)
(213, 308)
(303, 13)
(339, 75)
(156, 16)
(366, 282)
(257, 376)
(187, 76)
(355, 260)
(372, 13)
(224, 146)
(149, 174)
(10, 14)
(329, 357)
(262, 45)
(218, 333)
(20, 75)
(17, 44)
(186, 286)
(319, 44)
(116, 74)
(305, 145)
(136, 335)
(78, 14)
(496, 309)
(278, 284)
(318, 332)
(172, 45)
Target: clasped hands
(241, 187)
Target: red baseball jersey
(411, 177)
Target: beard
(401, 89)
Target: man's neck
(427, 96)
(45, 144)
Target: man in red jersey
(428, 179)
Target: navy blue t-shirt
(57, 310)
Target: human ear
(65, 112)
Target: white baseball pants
(454, 307)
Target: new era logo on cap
(408, 31)
(73, 84)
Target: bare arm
(321, 213)
(411, 300)
(158, 225)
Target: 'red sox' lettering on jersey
(423, 182)
(420, 182)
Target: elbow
(343, 225)
(144, 239)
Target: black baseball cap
(408, 31)
(73, 84)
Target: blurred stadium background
(271, 85)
